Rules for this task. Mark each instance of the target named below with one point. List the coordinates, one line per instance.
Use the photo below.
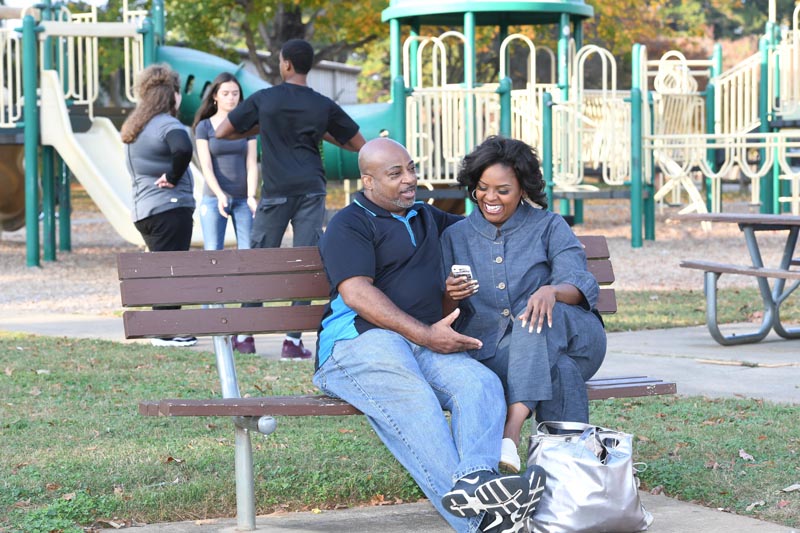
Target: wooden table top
(742, 218)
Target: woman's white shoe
(509, 456)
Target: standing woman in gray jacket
(158, 151)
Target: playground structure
(55, 56)
(685, 120)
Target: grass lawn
(75, 451)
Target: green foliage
(63, 514)
(336, 29)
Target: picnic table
(772, 297)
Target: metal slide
(97, 159)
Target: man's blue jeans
(402, 388)
(214, 224)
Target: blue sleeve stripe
(338, 325)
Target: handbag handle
(576, 427)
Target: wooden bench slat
(224, 289)
(607, 301)
(602, 271)
(744, 270)
(134, 265)
(227, 321)
(595, 246)
(321, 405)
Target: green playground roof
(487, 12)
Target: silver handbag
(591, 486)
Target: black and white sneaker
(175, 341)
(489, 492)
(517, 521)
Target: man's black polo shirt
(402, 255)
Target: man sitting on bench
(385, 349)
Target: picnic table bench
(772, 297)
(277, 276)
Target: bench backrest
(275, 276)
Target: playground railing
(10, 78)
(737, 95)
(439, 122)
(682, 156)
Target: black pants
(170, 231)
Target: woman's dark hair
(511, 153)
(155, 90)
(300, 53)
(208, 106)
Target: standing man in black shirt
(292, 120)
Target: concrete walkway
(767, 370)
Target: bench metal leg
(245, 487)
(712, 320)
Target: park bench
(215, 278)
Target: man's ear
(366, 181)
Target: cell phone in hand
(461, 270)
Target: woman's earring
(472, 194)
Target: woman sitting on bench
(536, 312)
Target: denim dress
(533, 247)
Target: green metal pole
(394, 56)
(763, 114)
(159, 25)
(412, 56)
(547, 146)
(649, 188)
(563, 82)
(399, 110)
(30, 84)
(578, 25)
(469, 81)
(64, 208)
(469, 75)
(504, 90)
(48, 153)
(711, 105)
(636, 150)
(149, 42)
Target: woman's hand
(252, 203)
(460, 288)
(222, 204)
(539, 308)
(162, 182)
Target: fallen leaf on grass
(171, 459)
(68, 496)
(205, 521)
(9, 371)
(753, 505)
(746, 456)
(52, 486)
(713, 465)
(791, 488)
(342, 430)
(783, 503)
(316, 511)
(658, 489)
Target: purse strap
(574, 427)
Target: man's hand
(442, 338)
